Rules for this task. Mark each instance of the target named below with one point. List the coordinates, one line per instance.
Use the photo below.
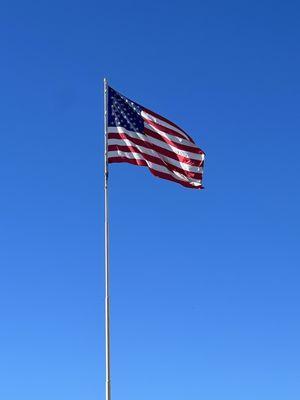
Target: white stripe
(145, 150)
(163, 123)
(156, 167)
(160, 143)
(173, 138)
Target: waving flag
(139, 136)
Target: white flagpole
(106, 242)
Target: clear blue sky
(205, 284)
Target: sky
(204, 284)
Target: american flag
(139, 136)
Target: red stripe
(170, 178)
(154, 172)
(167, 153)
(179, 146)
(165, 129)
(167, 121)
(155, 160)
(118, 159)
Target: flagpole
(106, 244)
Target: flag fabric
(139, 136)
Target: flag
(139, 136)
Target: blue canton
(123, 112)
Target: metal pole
(106, 240)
